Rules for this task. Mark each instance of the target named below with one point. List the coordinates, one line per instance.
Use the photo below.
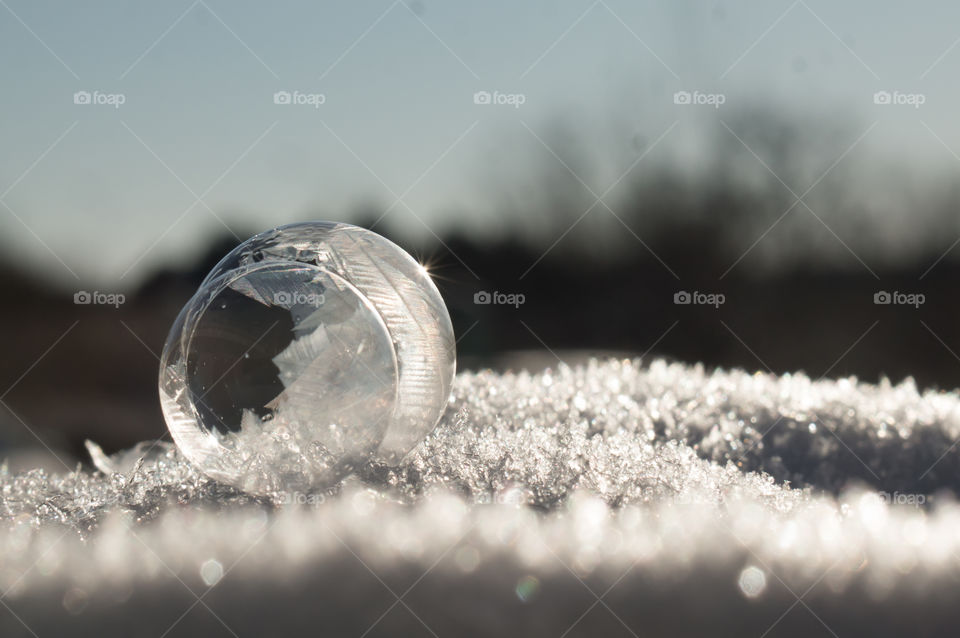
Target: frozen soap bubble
(307, 350)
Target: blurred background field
(598, 189)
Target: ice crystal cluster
(612, 498)
(306, 350)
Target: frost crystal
(305, 351)
(688, 500)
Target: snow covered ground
(614, 498)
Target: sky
(133, 132)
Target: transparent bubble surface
(307, 350)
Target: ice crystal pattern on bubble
(305, 351)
